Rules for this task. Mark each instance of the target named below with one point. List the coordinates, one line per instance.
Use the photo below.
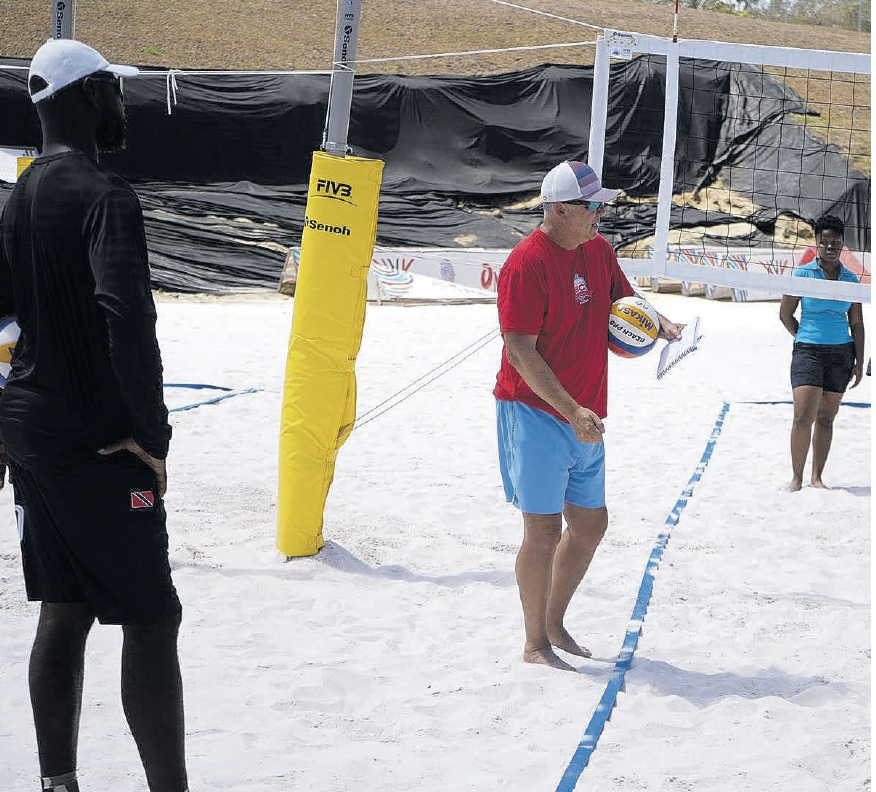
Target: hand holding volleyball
(633, 327)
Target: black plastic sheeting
(222, 179)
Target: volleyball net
(774, 139)
(752, 145)
(726, 155)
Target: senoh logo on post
(338, 191)
(326, 228)
(345, 46)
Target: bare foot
(546, 656)
(794, 486)
(560, 638)
(819, 484)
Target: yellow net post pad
(22, 164)
(319, 395)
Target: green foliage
(711, 5)
(833, 13)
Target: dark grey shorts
(94, 532)
(825, 366)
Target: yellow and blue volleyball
(633, 325)
(9, 333)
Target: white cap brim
(573, 181)
(62, 62)
(122, 71)
(604, 195)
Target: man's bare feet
(560, 638)
(546, 656)
(795, 485)
(819, 484)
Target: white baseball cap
(61, 62)
(572, 181)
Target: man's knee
(600, 524)
(825, 420)
(163, 630)
(803, 419)
(149, 655)
(70, 619)
(589, 523)
(543, 530)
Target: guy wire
(463, 354)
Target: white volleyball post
(63, 19)
(599, 107)
(667, 160)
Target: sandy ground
(390, 662)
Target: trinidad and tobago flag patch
(142, 499)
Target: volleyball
(633, 325)
(8, 338)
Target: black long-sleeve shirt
(74, 271)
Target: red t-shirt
(563, 297)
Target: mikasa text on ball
(633, 325)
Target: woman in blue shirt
(828, 353)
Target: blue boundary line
(196, 386)
(616, 682)
(229, 395)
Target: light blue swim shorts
(543, 464)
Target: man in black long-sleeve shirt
(83, 421)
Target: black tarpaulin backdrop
(223, 178)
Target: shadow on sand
(338, 557)
(703, 689)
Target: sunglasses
(110, 78)
(592, 206)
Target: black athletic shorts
(825, 366)
(94, 532)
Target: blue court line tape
(196, 386)
(865, 405)
(229, 395)
(616, 682)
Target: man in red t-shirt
(554, 295)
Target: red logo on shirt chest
(582, 290)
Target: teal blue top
(823, 321)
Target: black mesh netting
(222, 178)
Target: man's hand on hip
(159, 466)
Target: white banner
(735, 273)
